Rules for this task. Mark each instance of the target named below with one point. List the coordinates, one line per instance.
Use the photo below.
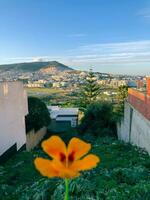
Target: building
(132, 84)
(63, 118)
(135, 127)
(116, 82)
(35, 84)
(140, 84)
(64, 114)
(13, 108)
(56, 84)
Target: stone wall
(124, 126)
(134, 128)
(34, 138)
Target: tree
(99, 120)
(122, 95)
(48, 85)
(38, 116)
(90, 90)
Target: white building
(35, 85)
(13, 108)
(56, 84)
(117, 83)
(64, 115)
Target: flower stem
(66, 189)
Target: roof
(56, 110)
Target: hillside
(34, 66)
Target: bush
(99, 120)
(38, 116)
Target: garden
(123, 173)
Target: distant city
(56, 75)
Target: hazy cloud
(123, 54)
(33, 58)
(112, 53)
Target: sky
(108, 35)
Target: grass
(52, 95)
(45, 90)
(124, 173)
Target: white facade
(64, 114)
(135, 128)
(13, 108)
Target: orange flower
(66, 161)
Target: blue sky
(110, 35)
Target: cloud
(112, 53)
(119, 56)
(33, 58)
(116, 47)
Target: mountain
(35, 66)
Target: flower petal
(69, 174)
(45, 167)
(77, 148)
(54, 168)
(64, 171)
(88, 162)
(55, 147)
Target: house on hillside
(135, 126)
(63, 118)
(13, 108)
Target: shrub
(122, 94)
(99, 120)
(38, 116)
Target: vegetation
(44, 91)
(123, 174)
(38, 114)
(54, 96)
(89, 91)
(68, 98)
(122, 95)
(34, 66)
(99, 120)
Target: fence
(34, 138)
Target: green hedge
(38, 114)
(99, 120)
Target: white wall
(73, 120)
(135, 128)
(140, 132)
(13, 108)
